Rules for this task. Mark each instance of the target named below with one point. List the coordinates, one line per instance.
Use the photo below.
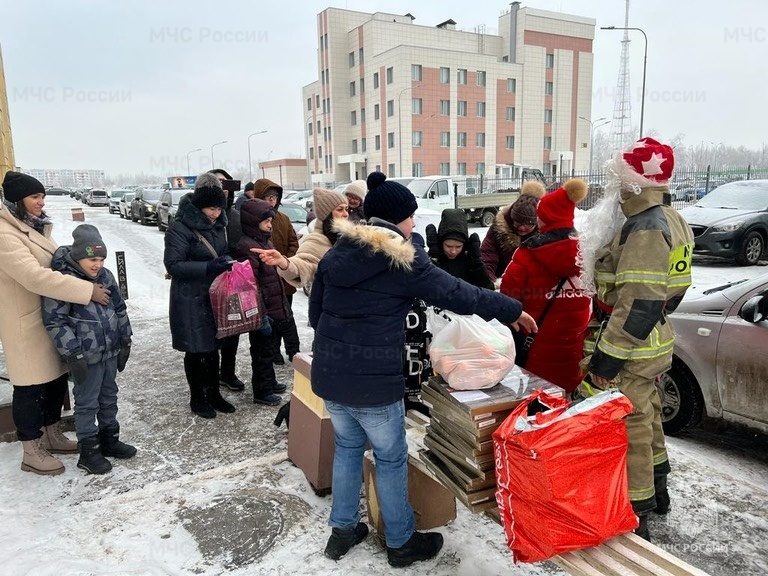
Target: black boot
(198, 403)
(211, 385)
(283, 414)
(91, 459)
(642, 530)
(342, 540)
(216, 400)
(421, 546)
(660, 486)
(109, 438)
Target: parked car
(731, 221)
(301, 197)
(97, 197)
(167, 206)
(296, 213)
(114, 200)
(719, 367)
(124, 206)
(55, 191)
(144, 205)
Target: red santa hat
(645, 163)
(556, 209)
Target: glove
(78, 367)
(218, 265)
(473, 246)
(266, 326)
(433, 244)
(122, 357)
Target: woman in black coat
(195, 253)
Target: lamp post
(250, 166)
(188, 153)
(400, 130)
(212, 147)
(645, 62)
(592, 136)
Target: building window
(510, 113)
(378, 168)
(416, 106)
(377, 142)
(416, 138)
(375, 80)
(390, 75)
(550, 60)
(445, 139)
(461, 76)
(353, 117)
(511, 85)
(461, 108)
(416, 169)
(510, 142)
(445, 168)
(362, 85)
(363, 145)
(461, 168)
(309, 103)
(351, 59)
(445, 107)
(317, 101)
(480, 168)
(354, 146)
(445, 75)
(547, 142)
(376, 114)
(390, 107)
(391, 171)
(311, 153)
(481, 77)
(416, 72)
(360, 54)
(390, 139)
(362, 115)
(480, 140)
(318, 126)
(549, 88)
(548, 116)
(481, 109)
(309, 128)
(319, 151)
(352, 88)
(461, 139)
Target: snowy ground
(209, 497)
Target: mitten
(266, 326)
(473, 246)
(78, 367)
(284, 413)
(433, 244)
(122, 357)
(218, 265)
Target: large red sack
(235, 301)
(561, 474)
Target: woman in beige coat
(35, 368)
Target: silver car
(720, 366)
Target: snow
(207, 497)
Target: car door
(742, 368)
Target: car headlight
(150, 208)
(730, 227)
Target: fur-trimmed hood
(508, 239)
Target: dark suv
(144, 205)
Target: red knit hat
(556, 209)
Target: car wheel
(143, 219)
(751, 249)
(159, 223)
(487, 218)
(681, 401)
(307, 288)
(132, 217)
(121, 214)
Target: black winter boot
(198, 403)
(109, 438)
(91, 459)
(642, 530)
(342, 540)
(211, 385)
(421, 546)
(662, 495)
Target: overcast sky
(132, 85)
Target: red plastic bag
(561, 474)
(235, 301)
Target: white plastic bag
(471, 354)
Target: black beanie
(17, 186)
(87, 243)
(208, 193)
(390, 201)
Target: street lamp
(212, 147)
(250, 166)
(592, 136)
(400, 129)
(645, 61)
(188, 153)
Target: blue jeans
(96, 398)
(384, 428)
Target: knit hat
(208, 192)
(556, 209)
(325, 201)
(388, 200)
(87, 243)
(248, 186)
(17, 186)
(644, 164)
(523, 210)
(359, 188)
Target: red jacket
(531, 277)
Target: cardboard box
(78, 215)
(433, 505)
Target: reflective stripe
(642, 494)
(660, 458)
(641, 277)
(654, 350)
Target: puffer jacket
(361, 295)
(640, 277)
(186, 258)
(500, 244)
(92, 329)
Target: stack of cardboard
(458, 439)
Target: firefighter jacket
(640, 277)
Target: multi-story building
(413, 100)
(69, 178)
(290, 173)
(6, 141)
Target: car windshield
(176, 196)
(746, 195)
(294, 213)
(116, 193)
(152, 195)
(419, 187)
(128, 197)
